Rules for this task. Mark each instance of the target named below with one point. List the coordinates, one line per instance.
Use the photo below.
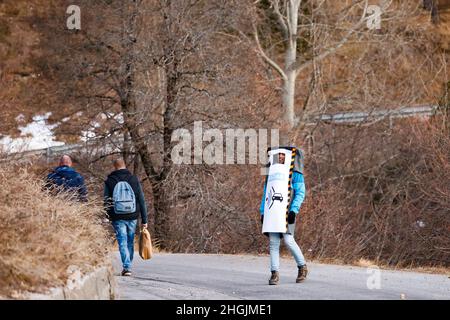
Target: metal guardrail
(52, 151)
(358, 117)
(95, 147)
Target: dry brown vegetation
(41, 235)
(393, 208)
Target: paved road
(188, 276)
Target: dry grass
(41, 235)
(395, 213)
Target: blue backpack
(124, 198)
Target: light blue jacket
(299, 193)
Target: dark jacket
(110, 183)
(65, 178)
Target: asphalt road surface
(223, 277)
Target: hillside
(27, 90)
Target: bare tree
(299, 26)
(435, 6)
(149, 67)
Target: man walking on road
(124, 202)
(64, 178)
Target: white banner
(277, 192)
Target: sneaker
(275, 278)
(302, 273)
(126, 273)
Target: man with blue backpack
(124, 202)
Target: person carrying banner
(284, 193)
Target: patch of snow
(33, 136)
(20, 118)
(90, 133)
(87, 135)
(420, 223)
(119, 118)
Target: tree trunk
(130, 112)
(289, 100)
(291, 74)
(162, 221)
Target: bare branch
(268, 60)
(300, 66)
(281, 18)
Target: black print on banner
(272, 197)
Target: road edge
(99, 284)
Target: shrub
(42, 235)
(396, 213)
